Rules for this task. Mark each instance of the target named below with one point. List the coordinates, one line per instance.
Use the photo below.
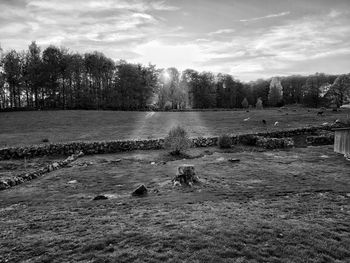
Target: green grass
(23, 128)
(272, 206)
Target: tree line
(56, 78)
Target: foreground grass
(23, 128)
(279, 206)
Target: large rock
(100, 197)
(140, 191)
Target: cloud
(76, 5)
(222, 31)
(278, 49)
(83, 25)
(265, 17)
(187, 35)
(164, 55)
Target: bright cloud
(222, 31)
(180, 56)
(264, 17)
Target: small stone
(140, 191)
(73, 182)
(177, 183)
(100, 197)
(70, 159)
(233, 160)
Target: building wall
(342, 141)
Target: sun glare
(166, 76)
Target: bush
(225, 141)
(177, 141)
(245, 103)
(259, 104)
(168, 105)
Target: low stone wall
(205, 141)
(66, 149)
(294, 132)
(21, 178)
(274, 143)
(320, 140)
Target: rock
(100, 197)
(3, 185)
(70, 158)
(140, 191)
(55, 165)
(73, 182)
(177, 183)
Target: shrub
(245, 103)
(168, 105)
(177, 140)
(259, 104)
(225, 141)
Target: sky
(248, 39)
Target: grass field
(272, 206)
(23, 128)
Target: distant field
(23, 128)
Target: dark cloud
(14, 3)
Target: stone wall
(65, 149)
(320, 140)
(21, 178)
(274, 143)
(89, 148)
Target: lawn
(272, 206)
(23, 128)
